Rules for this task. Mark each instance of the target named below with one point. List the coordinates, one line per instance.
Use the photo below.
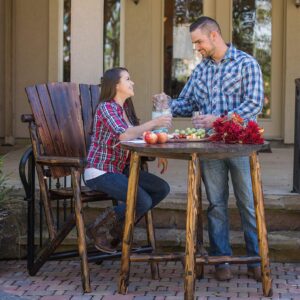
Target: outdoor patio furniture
(59, 127)
(194, 258)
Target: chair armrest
(62, 161)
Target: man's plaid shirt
(233, 85)
(105, 152)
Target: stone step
(281, 212)
(284, 246)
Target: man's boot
(99, 231)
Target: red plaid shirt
(105, 152)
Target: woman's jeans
(151, 190)
(215, 177)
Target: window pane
(252, 33)
(67, 41)
(179, 57)
(111, 34)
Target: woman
(107, 169)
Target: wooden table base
(194, 257)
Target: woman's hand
(162, 162)
(164, 121)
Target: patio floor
(60, 280)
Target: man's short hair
(205, 23)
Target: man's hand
(203, 121)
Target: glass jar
(161, 107)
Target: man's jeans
(215, 177)
(151, 190)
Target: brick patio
(60, 280)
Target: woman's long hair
(108, 91)
(109, 83)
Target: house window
(111, 34)
(179, 57)
(252, 33)
(67, 41)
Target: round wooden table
(194, 260)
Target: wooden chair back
(57, 112)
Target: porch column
(9, 74)
(86, 41)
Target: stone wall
(13, 225)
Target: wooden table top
(184, 150)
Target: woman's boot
(100, 231)
(117, 233)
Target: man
(227, 80)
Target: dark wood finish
(81, 232)
(200, 259)
(129, 224)
(191, 226)
(152, 242)
(204, 150)
(261, 225)
(199, 246)
(60, 128)
(194, 152)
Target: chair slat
(39, 118)
(66, 104)
(95, 92)
(49, 121)
(87, 111)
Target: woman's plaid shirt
(233, 85)
(105, 152)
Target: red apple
(162, 137)
(150, 137)
(145, 132)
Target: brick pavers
(60, 280)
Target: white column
(9, 74)
(55, 60)
(86, 41)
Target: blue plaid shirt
(233, 85)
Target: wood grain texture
(129, 222)
(151, 241)
(191, 227)
(85, 274)
(194, 152)
(261, 224)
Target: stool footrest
(157, 257)
(209, 260)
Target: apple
(162, 137)
(150, 137)
(145, 132)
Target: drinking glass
(197, 113)
(161, 107)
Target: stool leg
(191, 226)
(151, 241)
(200, 245)
(261, 224)
(129, 222)
(85, 274)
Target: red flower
(231, 130)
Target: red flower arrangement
(232, 130)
